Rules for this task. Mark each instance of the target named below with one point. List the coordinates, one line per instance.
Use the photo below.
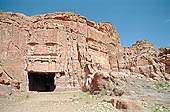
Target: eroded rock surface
(73, 48)
(65, 51)
(62, 43)
(164, 57)
(144, 58)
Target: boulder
(127, 105)
(100, 81)
(118, 91)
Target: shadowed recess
(41, 82)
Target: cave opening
(41, 82)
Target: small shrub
(27, 96)
(161, 85)
(160, 108)
(22, 91)
(87, 102)
(103, 92)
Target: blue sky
(133, 19)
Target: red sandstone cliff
(143, 58)
(71, 47)
(63, 43)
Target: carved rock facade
(62, 43)
(68, 50)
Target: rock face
(61, 43)
(164, 57)
(143, 58)
(74, 51)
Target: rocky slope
(144, 58)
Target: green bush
(103, 92)
(160, 108)
(161, 85)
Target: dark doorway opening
(41, 82)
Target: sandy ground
(145, 92)
(56, 102)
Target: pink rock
(64, 44)
(127, 104)
(60, 43)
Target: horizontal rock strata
(74, 49)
